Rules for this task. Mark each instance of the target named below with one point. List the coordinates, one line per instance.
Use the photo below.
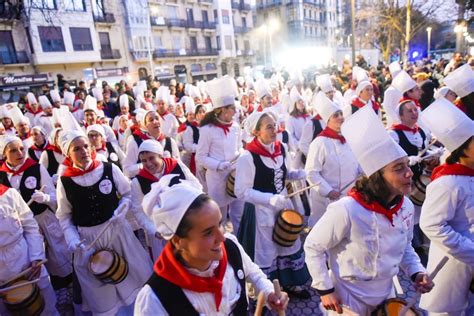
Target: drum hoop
(27, 301)
(282, 241)
(280, 217)
(95, 252)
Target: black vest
(26, 193)
(264, 180)
(285, 137)
(53, 164)
(355, 109)
(92, 205)
(195, 132)
(32, 154)
(412, 150)
(175, 301)
(110, 150)
(145, 184)
(317, 128)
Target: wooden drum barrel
(393, 307)
(288, 227)
(25, 300)
(419, 190)
(108, 266)
(230, 184)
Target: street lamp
(428, 30)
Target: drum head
(292, 217)
(101, 261)
(395, 306)
(19, 294)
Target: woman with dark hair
(201, 271)
(366, 237)
(447, 214)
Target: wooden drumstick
(22, 273)
(260, 303)
(99, 235)
(433, 141)
(276, 288)
(6, 289)
(31, 200)
(300, 191)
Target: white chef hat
(138, 90)
(44, 102)
(166, 205)
(124, 100)
(52, 136)
(163, 94)
(447, 123)
(139, 100)
(403, 82)
(262, 88)
(97, 93)
(17, 117)
(39, 129)
(361, 86)
(69, 98)
(222, 91)
(394, 68)
(441, 92)
(324, 83)
(325, 107)
(152, 146)
(295, 96)
(141, 115)
(173, 82)
(67, 137)
(251, 121)
(31, 98)
(240, 80)
(461, 80)
(96, 128)
(55, 96)
(369, 141)
(5, 140)
(359, 74)
(90, 104)
(194, 92)
(189, 105)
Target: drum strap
(175, 301)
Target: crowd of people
(182, 199)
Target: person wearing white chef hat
(109, 151)
(45, 120)
(365, 97)
(169, 122)
(408, 87)
(92, 115)
(461, 81)
(447, 214)
(33, 109)
(392, 95)
(201, 270)
(22, 126)
(56, 98)
(93, 195)
(445, 92)
(371, 228)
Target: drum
(288, 227)
(230, 184)
(108, 266)
(419, 189)
(393, 307)
(24, 300)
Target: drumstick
(421, 153)
(31, 200)
(277, 290)
(6, 289)
(431, 276)
(22, 273)
(300, 190)
(260, 303)
(349, 184)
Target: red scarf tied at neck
(330, 133)
(27, 164)
(375, 206)
(452, 170)
(169, 165)
(72, 171)
(169, 268)
(401, 127)
(357, 102)
(224, 127)
(30, 109)
(3, 189)
(256, 147)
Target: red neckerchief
(72, 171)
(250, 108)
(275, 101)
(401, 127)
(3, 189)
(224, 127)
(260, 108)
(147, 175)
(138, 132)
(182, 127)
(169, 268)
(330, 133)
(169, 165)
(455, 169)
(357, 102)
(304, 116)
(375, 206)
(417, 103)
(75, 109)
(257, 148)
(29, 109)
(53, 148)
(317, 117)
(192, 164)
(102, 148)
(280, 130)
(164, 114)
(460, 105)
(25, 136)
(27, 164)
(36, 148)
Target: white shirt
(307, 136)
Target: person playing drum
(365, 237)
(201, 271)
(260, 182)
(92, 196)
(21, 247)
(447, 215)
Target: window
(218, 42)
(205, 17)
(215, 15)
(98, 8)
(172, 12)
(158, 42)
(225, 17)
(190, 14)
(228, 42)
(45, 4)
(236, 45)
(74, 5)
(211, 66)
(246, 45)
(51, 39)
(208, 43)
(244, 22)
(7, 49)
(81, 38)
(177, 42)
(105, 42)
(193, 42)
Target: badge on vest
(240, 274)
(30, 182)
(113, 157)
(105, 186)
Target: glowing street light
(428, 30)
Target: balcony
(9, 11)
(209, 25)
(208, 2)
(311, 21)
(240, 6)
(176, 22)
(166, 53)
(20, 57)
(107, 18)
(110, 54)
(241, 29)
(312, 3)
(194, 24)
(139, 55)
(268, 4)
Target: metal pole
(428, 29)
(150, 55)
(407, 32)
(353, 31)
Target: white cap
(96, 128)
(325, 107)
(447, 123)
(97, 93)
(295, 96)
(55, 96)
(394, 68)
(124, 100)
(152, 146)
(369, 141)
(461, 80)
(441, 92)
(262, 88)
(40, 129)
(222, 91)
(142, 85)
(359, 74)
(194, 92)
(403, 82)
(90, 104)
(324, 83)
(69, 98)
(140, 115)
(44, 102)
(163, 94)
(66, 138)
(5, 140)
(361, 86)
(31, 98)
(137, 90)
(52, 136)
(166, 205)
(251, 121)
(189, 105)
(17, 117)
